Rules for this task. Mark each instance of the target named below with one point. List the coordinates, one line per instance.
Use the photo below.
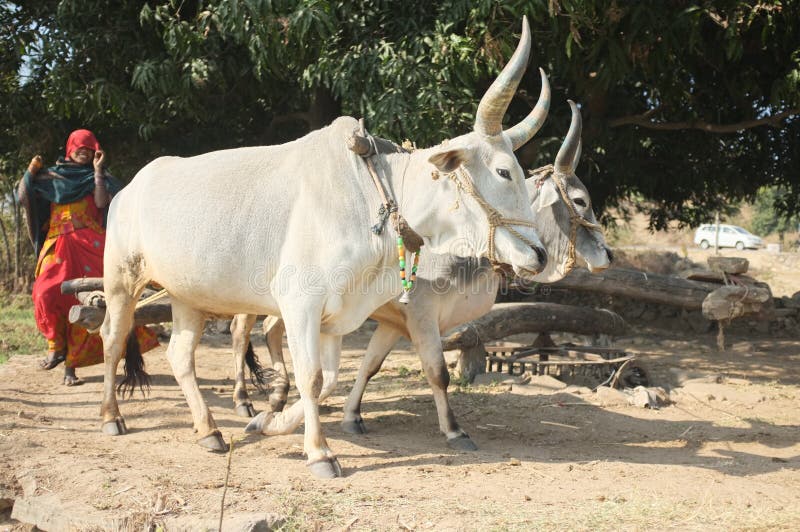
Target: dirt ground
(723, 456)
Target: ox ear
(448, 159)
(548, 195)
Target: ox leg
(279, 386)
(241, 326)
(117, 324)
(427, 342)
(316, 378)
(187, 328)
(380, 345)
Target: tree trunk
(17, 240)
(323, 110)
(7, 245)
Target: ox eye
(580, 202)
(504, 173)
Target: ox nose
(541, 254)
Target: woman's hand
(99, 161)
(101, 196)
(35, 165)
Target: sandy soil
(725, 455)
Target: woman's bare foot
(70, 379)
(54, 358)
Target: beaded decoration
(408, 283)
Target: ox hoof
(245, 411)
(115, 428)
(326, 468)
(258, 423)
(214, 442)
(462, 443)
(354, 426)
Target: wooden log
(708, 276)
(471, 362)
(634, 284)
(84, 284)
(729, 302)
(92, 317)
(506, 319)
(732, 265)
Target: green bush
(18, 332)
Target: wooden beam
(91, 317)
(84, 284)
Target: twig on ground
(349, 525)
(225, 486)
(569, 404)
(559, 425)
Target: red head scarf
(81, 138)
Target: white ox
(451, 291)
(286, 231)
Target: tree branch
(643, 120)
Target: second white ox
(286, 230)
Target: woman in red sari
(66, 206)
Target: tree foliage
(767, 219)
(689, 105)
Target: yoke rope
(495, 218)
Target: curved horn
(569, 148)
(489, 118)
(577, 158)
(525, 130)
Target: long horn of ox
(569, 149)
(577, 157)
(525, 130)
(489, 118)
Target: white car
(730, 236)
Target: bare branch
(643, 120)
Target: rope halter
(575, 219)
(464, 183)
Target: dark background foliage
(688, 106)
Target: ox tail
(135, 375)
(259, 375)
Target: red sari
(71, 252)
